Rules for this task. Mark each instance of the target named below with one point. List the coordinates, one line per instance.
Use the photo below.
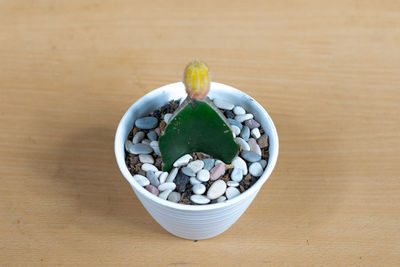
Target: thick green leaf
(197, 127)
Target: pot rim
(119, 150)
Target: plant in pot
(196, 160)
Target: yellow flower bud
(196, 80)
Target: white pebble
(244, 117)
(203, 175)
(144, 158)
(222, 104)
(263, 163)
(141, 149)
(237, 175)
(199, 189)
(157, 151)
(149, 167)
(243, 144)
(163, 177)
(218, 162)
(158, 173)
(199, 199)
(232, 183)
(208, 163)
(138, 148)
(221, 199)
(146, 123)
(238, 110)
(128, 146)
(255, 133)
(188, 171)
(196, 165)
(256, 169)
(182, 161)
(239, 163)
(250, 156)
(194, 181)
(146, 141)
(254, 146)
(167, 186)
(165, 194)
(216, 190)
(232, 192)
(153, 143)
(172, 175)
(138, 137)
(167, 117)
(174, 197)
(152, 178)
(140, 179)
(235, 130)
(155, 147)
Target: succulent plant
(197, 125)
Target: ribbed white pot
(194, 221)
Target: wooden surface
(328, 72)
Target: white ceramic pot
(194, 221)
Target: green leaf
(197, 127)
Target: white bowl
(194, 221)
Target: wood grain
(328, 72)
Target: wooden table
(328, 72)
